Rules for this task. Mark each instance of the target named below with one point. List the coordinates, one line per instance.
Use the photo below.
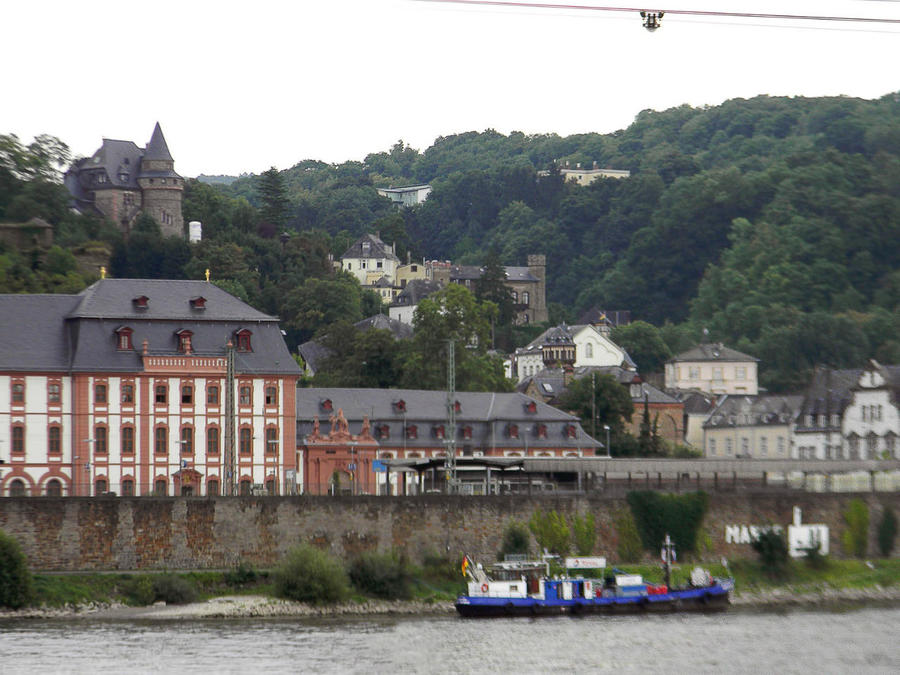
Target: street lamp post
(608, 454)
(273, 445)
(87, 466)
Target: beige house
(715, 369)
(408, 272)
(751, 427)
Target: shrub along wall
(194, 533)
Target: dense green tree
(273, 198)
(609, 400)
(644, 345)
(453, 314)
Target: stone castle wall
(150, 533)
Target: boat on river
(526, 589)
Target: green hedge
(657, 514)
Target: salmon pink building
(137, 387)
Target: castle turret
(161, 187)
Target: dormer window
(384, 431)
(531, 407)
(326, 405)
(198, 303)
(400, 406)
(184, 341)
(457, 406)
(243, 340)
(542, 431)
(123, 338)
(570, 431)
(412, 431)
(467, 433)
(140, 302)
(439, 431)
(513, 430)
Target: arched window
(100, 487)
(160, 487)
(160, 441)
(18, 438)
(54, 440)
(212, 441)
(54, 488)
(271, 396)
(526, 298)
(271, 440)
(17, 488)
(589, 350)
(187, 440)
(127, 442)
(246, 441)
(100, 445)
(127, 487)
(246, 487)
(212, 487)
(270, 486)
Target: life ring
(484, 588)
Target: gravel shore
(249, 606)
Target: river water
(737, 641)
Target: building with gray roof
(126, 388)
(121, 180)
(403, 423)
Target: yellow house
(715, 369)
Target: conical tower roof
(157, 148)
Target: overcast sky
(242, 86)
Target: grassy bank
(63, 590)
(751, 577)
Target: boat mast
(667, 555)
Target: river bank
(260, 606)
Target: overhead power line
(659, 11)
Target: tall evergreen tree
(273, 195)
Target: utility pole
(228, 485)
(450, 436)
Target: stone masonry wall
(194, 533)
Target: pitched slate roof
(487, 414)
(167, 299)
(474, 272)
(415, 290)
(369, 246)
(711, 352)
(78, 333)
(157, 147)
(828, 393)
(763, 410)
(33, 334)
(398, 329)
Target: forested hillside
(773, 223)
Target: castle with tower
(121, 180)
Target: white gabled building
(370, 259)
(580, 345)
(871, 421)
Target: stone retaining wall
(147, 533)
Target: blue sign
(378, 466)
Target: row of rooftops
(498, 419)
